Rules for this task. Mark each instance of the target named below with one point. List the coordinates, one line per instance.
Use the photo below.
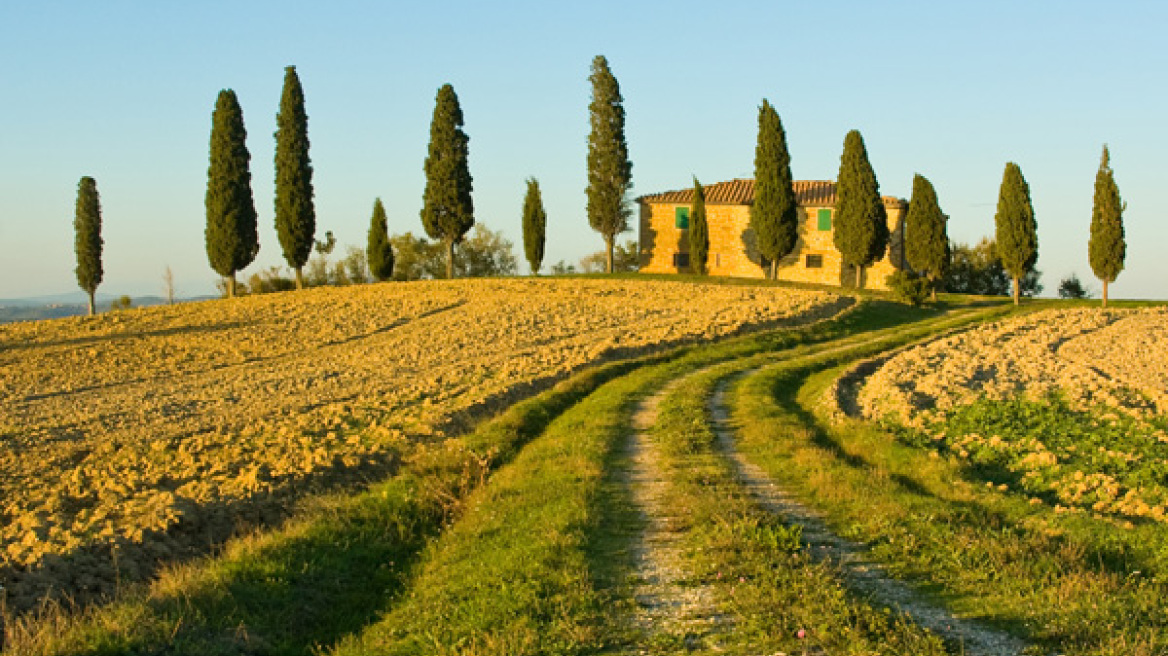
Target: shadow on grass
(1103, 552)
(609, 543)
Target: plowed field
(137, 437)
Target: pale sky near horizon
(123, 91)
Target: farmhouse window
(681, 218)
(814, 261)
(681, 260)
(824, 217)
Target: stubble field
(139, 437)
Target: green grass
(347, 561)
(530, 568)
(1070, 584)
(767, 585)
(324, 575)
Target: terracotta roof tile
(808, 193)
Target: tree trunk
(1104, 293)
(92, 305)
(299, 277)
(859, 277)
(774, 269)
(1017, 291)
(231, 286)
(450, 259)
(608, 244)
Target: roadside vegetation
(1068, 583)
(520, 536)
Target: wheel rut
(669, 601)
(862, 574)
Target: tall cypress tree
(534, 225)
(448, 210)
(1016, 231)
(232, 240)
(379, 252)
(926, 239)
(88, 242)
(861, 222)
(610, 173)
(699, 231)
(295, 214)
(774, 216)
(1106, 248)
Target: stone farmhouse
(664, 235)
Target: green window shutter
(681, 218)
(824, 219)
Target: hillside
(141, 437)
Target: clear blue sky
(123, 91)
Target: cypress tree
(232, 241)
(534, 225)
(295, 215)
(1016, 231)
(926, 238)
(379, 252)
(699, 232)
(448, 210)
(774, 216)
(88, 243)
(1106, 248)
(610, 173)
(861, 222)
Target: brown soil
(139, 437)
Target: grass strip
(777, 598)
(514, 575)
(345, 560)
(324, 575)
(529, 568)
(1070, 584)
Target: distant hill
(73, 304)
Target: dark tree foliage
(861, 222)
(416, 258)
(295, 215)
(448, 209)
(485, 253)
(978, 270)
(926, 241)
(1016, 231)
(610, 173)
(232, 240)
(1107, 248)
(88, 243)
(699, 232)
(379, 252)
(774, 216)
(1072, 287)
(534, 225)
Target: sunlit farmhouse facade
(664, 235)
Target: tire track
(862, 574)
(670, 602)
